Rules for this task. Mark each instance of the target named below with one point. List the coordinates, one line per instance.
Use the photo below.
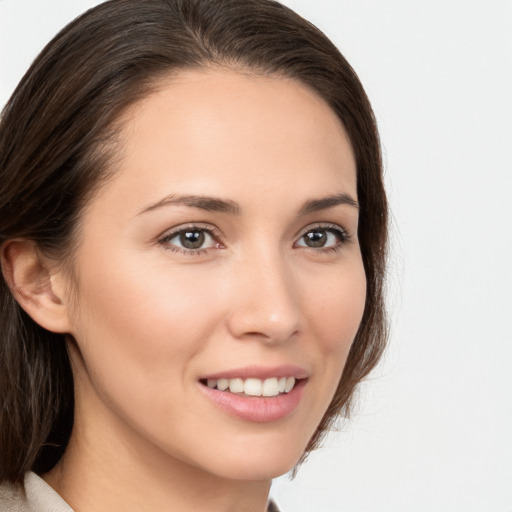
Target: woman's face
(223, 252)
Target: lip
(257, 409)
(260, 372)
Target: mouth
(257, 394)
(253, 387)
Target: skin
(149, 318)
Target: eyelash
(214, 234)
(341, 234)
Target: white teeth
(254, 387)
(236, 385)
(223, 384)
(270, 387)
(290, 382)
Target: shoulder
(13, 498)
(37, 495)
(34, 495)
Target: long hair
(57, 135)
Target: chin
(259, 461)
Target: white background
(433, 431)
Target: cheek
(132, 323)
(145, 301)
(335, 316)
(137, 332)
(336, 309)
(333, 313)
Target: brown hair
(56, 134)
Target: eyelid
(200, 226)
(217, 236)
(343, 235)
(326, 226)
(170, 233)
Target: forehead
(222, 131)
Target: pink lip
(257, 409)
(260, 372)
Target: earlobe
(34, 282)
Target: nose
(265, 301)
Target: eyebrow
(210, 204)
(316, 205)
(214, 204)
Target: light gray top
(35, 495)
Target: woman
(193, 236)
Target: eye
(191, 239)
(323, 238)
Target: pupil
(192, 239)
(316, 238)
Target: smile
(247, 401)
(273, 386)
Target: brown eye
(192, 239)
(320, 238)
(316, 238)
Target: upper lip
(260, 372)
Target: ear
(37, 283)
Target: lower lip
(257, 409)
